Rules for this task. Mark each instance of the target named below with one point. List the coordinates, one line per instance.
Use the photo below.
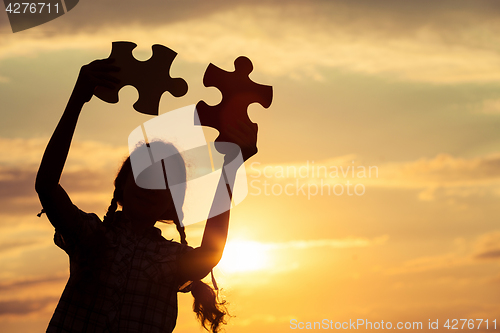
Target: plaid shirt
(119, 282)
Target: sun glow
(244, 256)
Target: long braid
(209, 310)
(120, 180)
(182, 233)
(113, 206)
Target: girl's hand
(245, 136)
(97, 73)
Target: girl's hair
(209, 310)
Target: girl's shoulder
(170, 245)
(84, 229)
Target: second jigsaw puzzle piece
(238, 92)
(151, 78)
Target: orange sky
(410, 89)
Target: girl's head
(153, 199)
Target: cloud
(491, 106)
(18, 196)
(32, 282)
(444, 173)
(89, 155)
(443, 43)
(88, 175)
(16, 182)
(431, 263)
(466, 253)
(340, 243)
(93, 15)
(495, 279)
(24, 307)
(442, 169)
(10, 245)
(333, 243)
(488, 246)
(92, 166)
(445, 168)
(493, 254)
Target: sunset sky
(406, 91)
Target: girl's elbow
(42, 188)
(213, 258)
(41, 185)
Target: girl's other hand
(96, 73)
(245, 136)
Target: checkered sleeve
(84, 227)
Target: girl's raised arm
(56, 203)
(196, 264)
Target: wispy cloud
(15, 244)
(340, 243)
(488, 246)
(493, 254)
(490, 106)
(88, 155)
(296, 40)
(90, 169)
(453, 176)
(476, 251)
(431, 263)
(445, 168)
(24, 307)
(333, 243)
(18, 196)
(31, 282)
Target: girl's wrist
(76, 101)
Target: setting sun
(243, 256)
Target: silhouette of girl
(124, 276)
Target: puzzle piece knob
(243, 65)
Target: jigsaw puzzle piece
(238, 92)
(151, 78)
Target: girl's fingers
(97, 80)
(108, 77)
(109, 68)
(103, 65)
(245, 136)
(244, 140)
(104, 83)
(104, 68)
